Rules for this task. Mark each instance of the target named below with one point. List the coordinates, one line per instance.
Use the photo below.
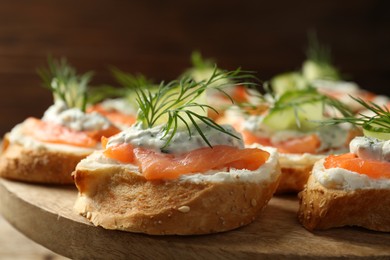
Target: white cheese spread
(155, 139)
(268, 172)
(17, 136)
(74, 118)
(338, 178)
(370, 148)
(345, 87)
(332, 138)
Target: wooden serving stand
(44, 214)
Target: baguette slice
(296, 170)
(38, 164)
(293, 179)
(117, 196)
(323, 208)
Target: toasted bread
(296, 170)
(38, 164)
(116, 196)
(323, 208)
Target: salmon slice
(304, 144)
(114, 116)
(123, 153)
(372, 168)
(53, 133)
(156, 166)
(98, 134)
(250, 138)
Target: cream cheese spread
(338, 178)
(74, 118)
(18, 137)
(155, 138)
(370, 148)
(332, 138)
(268, 172)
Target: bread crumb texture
(124, 200)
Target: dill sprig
(199, 62)
(128, 84)
(379, 122)
(65, 84)
(318, 52)
(181, 103)
(130, 81)
(307, 107)
(310, 94)
(319, 61)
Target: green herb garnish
(182, 103)
(379, 122)
(128, 82)
(198, 62)
(301, 110)
(318, 64)
(318, 52)
(65, 84)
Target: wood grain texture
(14, 245)
(157, 37)
(45, 215)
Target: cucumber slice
(296, 110)
(373, 129)
(299, 96)
(312, 70)
(287, 82)
(295, 118)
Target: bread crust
(37, 165)
(293, 178)
(322, 208)
(117, 198)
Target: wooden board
(14, 245)
(45, 215)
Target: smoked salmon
(114, 116)
(53, 133)
(155, 165)
(304, 144)
(372, 168)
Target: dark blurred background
(156, 38)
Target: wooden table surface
(45, 215)
(14, 245)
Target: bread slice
(39, 164)
(117, 196)
(293, 179)
(323, 208)
(296, 170)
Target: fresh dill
(379, 122)
(318, 52)
(198, 62)
(65, 84)
(128, 83)
(182, 103)
(319, 61)
(302, 109)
